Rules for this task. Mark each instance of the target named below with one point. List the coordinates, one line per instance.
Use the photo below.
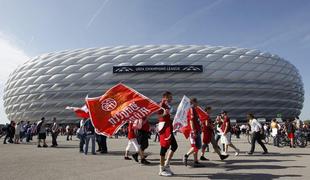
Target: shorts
(173, 146)
(290, 135)
(143, 139)
(195, 142)
(42, 136)
(226, 139)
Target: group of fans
(201, 131)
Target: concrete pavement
(26, 161)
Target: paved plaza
(26, 161)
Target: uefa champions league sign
(158, 68)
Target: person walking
(290, 130)
(41, 129)
(10, 132)
(90, 135)
(132, 141)
(195, 134)
(82, 134)
(166, 136)
(17, 133)
(54, 133)
(143, 139)
(226, 136)
(208, 136)
(257, 134)
(275, 129)
(102, 143)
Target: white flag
(180, 118)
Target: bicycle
(300, 139)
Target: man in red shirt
(195, 135)
(207, 132)
(226, 137)
(166, 137)
(208, 136)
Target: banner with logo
(81, 112)
(118, 105)
(180, 118)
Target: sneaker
(145, 162)
(168, 169)
(249, 153)
(45, 146)
(197, 164)
(237, 152)
(127, 158)
(266, 152)
(185, 158)
(203, 158)
(165, 173)
(135, 157)
(39, 146)
(223, 157)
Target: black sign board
(158, 68)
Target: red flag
(118, 105)
(202, 115)
(81, 112)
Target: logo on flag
(118, 105)
(108, 104)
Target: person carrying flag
(195, 133)
(166, 137)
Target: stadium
(238, 80)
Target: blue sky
(29, 28)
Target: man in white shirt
(256, 129)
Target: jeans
(256, 136)
(102, 143)
(93, 144)
(82, 141)
(54, 139)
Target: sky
(30, 28)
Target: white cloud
(10, 57)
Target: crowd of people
(201, 132)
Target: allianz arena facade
(237, 80)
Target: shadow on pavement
(246, 176)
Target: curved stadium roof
(238, 80)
